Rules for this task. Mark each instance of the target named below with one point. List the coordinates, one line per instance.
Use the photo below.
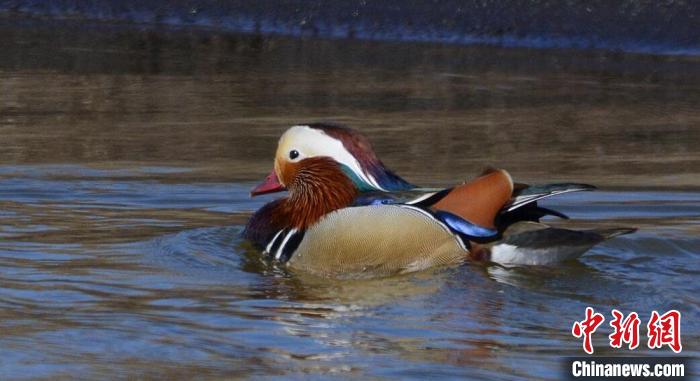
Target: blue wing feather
(464, 227)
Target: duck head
(316, 185)
(348, 148)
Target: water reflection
(219, 102)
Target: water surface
(127, 156)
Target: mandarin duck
(347, 215)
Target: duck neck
(319, 187)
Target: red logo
(587, 327)
(626, 331)
(662, 330)
(665, 330)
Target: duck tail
(529, 243)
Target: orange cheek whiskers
(317, 187)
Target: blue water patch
(631, 26)
(84, 187)
(197, 298)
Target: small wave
(213, 250)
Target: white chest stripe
(272, 241)
(280, 249)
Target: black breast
(260, 228)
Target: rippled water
(127, 157)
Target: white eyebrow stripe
(326, 145)
(374, 182)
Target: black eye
(293, 154)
